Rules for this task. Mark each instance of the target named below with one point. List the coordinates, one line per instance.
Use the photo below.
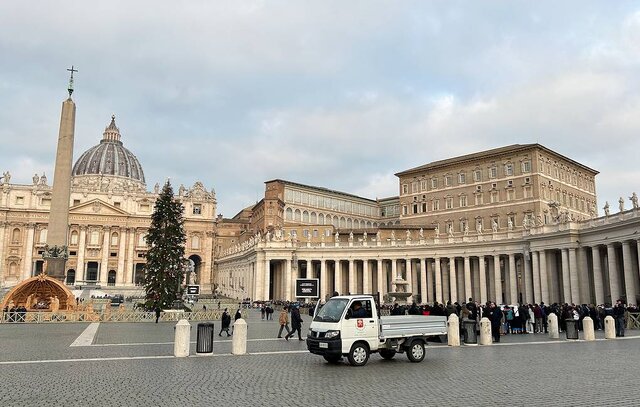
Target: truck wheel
(332, 359)
(416, 352)
(359, 354)
(387, 353)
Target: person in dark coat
(496, 321)
(236, 317)
(157, 310)
(296, 324)
(226, 321)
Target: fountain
(400, 295)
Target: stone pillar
(122, 245)
(352, 278)
(3, 255)
(129, 263)
(366, 278)
(491, 290)
(323, 280)
(239, 340)
(528, 279)
(28, 254)
(430, 293)
(337, 274)
(566, 279)
(587, 328)
(544, 282)
(424, 297)
(483, 284)
(629, 278)
(453, 330)
(394, 275)
(552, 323)
(267, 280)
(573, 276)
(609, 327)
(468, 293)
(597, 275)
(258, 284)
(438, 278)
(583, 276)
(485, 332)
(381, 280)
(613, 273)
(409, 273)
(513, 282)
(446, 295)
(182, 339)
(104, 261)
(287, 280)
(453, 291)
(497, 279)
(536, 276)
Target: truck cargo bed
(400, 326)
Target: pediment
(96, 207)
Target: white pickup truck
(350, 326)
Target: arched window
(321, 219)
(114, 239)
(43, 236)
(195, 242)
(94, 237)
(343, 222)
(13, 269)
(71, 277)
(349, 223)
(74, 238)
(298, 215)
(356, 224)
(15, 235)
(305, 217)
(313, 218)
(142, 239)
(111, 278)
(289, 214)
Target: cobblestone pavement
(132, 363)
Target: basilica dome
(109, 158)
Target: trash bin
(469, 332)
(572, 328)
(204, 343)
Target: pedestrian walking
(236, 317)
(284, 322)
(226, 321)
(157, 310)
(296, 324)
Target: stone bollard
(485, 332)
(453, 330)
(587, 328)
(183, 335)
(239, 340)
(609, 327)
(552, 323)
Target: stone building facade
(109, 215)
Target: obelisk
(56, 252)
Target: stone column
(536, 277)
(528, 279)
(394, 271)
(323, 279)
(423, 281)
(513, 282)
(468, 293)
(352, 278)
(266, 295)
(453, 284)
(122, 244)
(337, 274)
(438, 278)
(613, 273)
(28, 254)
(3, 255)
(491, 290)
(544, 282)
(381, 279)
(583, 276)
(82, 248)
(573, 276)
(104, 261)
(566, 279)
(409, 272)
(258, 284)
(497, 279)
(430, 293)
(483, 280)
(287, 280)
(130, 252)
(597, 275)
(366, 280)
(629, 278)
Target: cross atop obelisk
(70, 88)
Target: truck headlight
(332, 334)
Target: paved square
(132, 364)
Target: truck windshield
(332, 310)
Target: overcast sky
(338, 94)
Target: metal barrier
(113, 316)
(632, 320)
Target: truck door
(361, 323)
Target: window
(424, 207)
(478, 188)
(494, 197)
(508, 169)
(434, 183)
(510, 194)
(19, 200)
(195, 242)
(414, 187)
(527, 180)
(447, 180)
(144, 207)
(76, 202)
(116, 204)
(477, 175)
(493, 172)
(43, 236)
(449, 203)
(404, 209)
(197, 209)
(94, 238)
(494, 185)
(435, 205)
(527, 192)
(479, 199)
(142, 240)
(289, 214)
(462, 178)
(415, 208)
(74, 238)
(423, 185)
(114, 239)
(463, 201)
(46, 201)
(526, 166)
(405, 189)
(509, 184)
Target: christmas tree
(165, 268)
